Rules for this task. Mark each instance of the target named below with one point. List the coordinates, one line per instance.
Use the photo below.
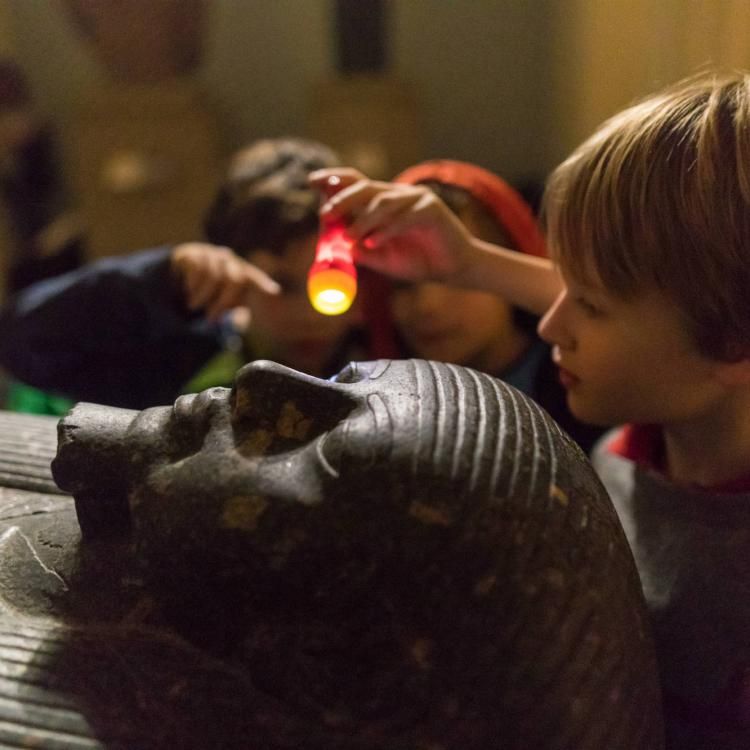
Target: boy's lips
(567, 379)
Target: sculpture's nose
(264, 374)
(91, 462)
(262, 387)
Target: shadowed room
(372, 374)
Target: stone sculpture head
(409, 555)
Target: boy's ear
(734, 373)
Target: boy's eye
(588, 307)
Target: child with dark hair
(267, 213)
(136, 330)
(649, 321)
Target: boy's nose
(553, 327)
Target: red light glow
(332, 279)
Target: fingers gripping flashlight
(332, 278)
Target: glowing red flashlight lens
(332, 279)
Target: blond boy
(649, 318)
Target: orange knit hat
(497, 196)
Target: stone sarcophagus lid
(410, 555)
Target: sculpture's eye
(357, 372)
(354, 372)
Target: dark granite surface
(412, 558)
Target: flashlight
(332, 278)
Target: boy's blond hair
(659, 198)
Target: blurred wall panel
(260, 62)
(373, 121)
(478, 67)
(369, 115)
(481, 69)
(7, 38)
(145, 164)
(510, 84)
(144, 156)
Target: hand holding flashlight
(332, 278)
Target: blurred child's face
(285, 327)
(458, 326)
(628, 360)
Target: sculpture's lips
(195, 413)
(190, 405)
(183, 407)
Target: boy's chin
(596, 415)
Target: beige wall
(610, 52)
(7, 38)
(512, 84)
(259, 57)
(479, 67)
(482, 69)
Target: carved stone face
(278, 434)
(253, 480)
(412, 550)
